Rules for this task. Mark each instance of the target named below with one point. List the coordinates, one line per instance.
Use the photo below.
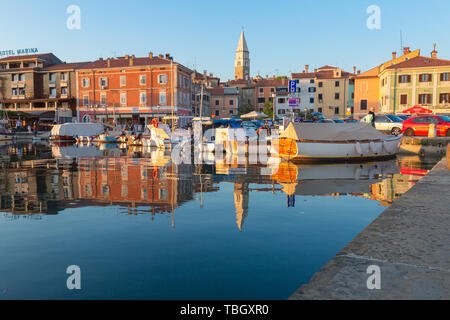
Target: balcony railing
(63, 83)
(18, 84)
(52, 84)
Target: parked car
(403, 116)
(330, 121)
(420, 125)
(350, 120)
(388, 123)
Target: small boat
(72, 132)
(316, 142)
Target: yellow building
(367, 84)
(333, 87)
(423, 81)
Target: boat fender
(154, 123)
(358, 148)
(155, 173)
(373, 147)
(387, 147)
(358, 173)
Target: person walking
(371, 119)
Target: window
(319, 110)
(261, 100)
(336, 110)
(231, 111)
(123, 81)
(15, 92)
(15, 77)
(311, 100)
(281, 100)
(217, 112)
(261, 90)
(444, 98)
(404, 79)
(425, 98)
(103, 99)
(52, 77)
(336, 83)
(320, 97)
(142, 79)
(299, 89)
(403, 99)
(426, 77)
(52, 92)
(85, 100)
(311, 81)
(64, 90)
(311, 89)
(336, 96)
(363, 105)
(272, 89)
(217, 102)
(123, 98)
(231, 102)
(143, 98)
(320, 84)
(162, 98)
(445, 76)
(162, 79)
(85, 82)
(103, 82)
(63, 76)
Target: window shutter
(409, 78)
(441, 76)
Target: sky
(282, 36)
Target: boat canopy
(331, 132)
(78, 129)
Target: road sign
(292, 86)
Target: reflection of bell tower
(242, 61)
(241, 203)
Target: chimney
(167, 56)
(108, 62)
(101, 59)
(406, 50)
(359, 71)
(354, 69)
(127, 56)
(204, 73)
(132, 56)
(131, 61)
(394, 55)
(150, 55)
(434, 52)
(306, 68)
(161, 56)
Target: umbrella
(417, 109)
(254, 114)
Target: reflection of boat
(332, 178)
(334, 142)
(73, 151)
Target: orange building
(134, 90)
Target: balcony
(64, 95)
(18, 97)
(63, 83)
(52, 84)
(18, 84)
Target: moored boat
(316, 142)
(70, 132)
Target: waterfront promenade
(409, 242)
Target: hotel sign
(18, 52)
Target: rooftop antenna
(401, 41)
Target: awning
(417, 109)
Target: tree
(268, 108)
(246, 108)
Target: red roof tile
(123, 62)
(421, 62)
(23, 57)
(65, 66)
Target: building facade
(133, 89)
(266, 89)
(40, 85)
(423, 81)
(367, 84)
(306, 89)
(332, 96)
(224, 102)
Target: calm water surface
(141, 227)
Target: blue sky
(282, 36)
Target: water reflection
(43, 179)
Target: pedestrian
(371, 118)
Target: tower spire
(242, 61)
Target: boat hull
(326, 151)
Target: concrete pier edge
(409, 242)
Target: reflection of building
(241, 203)
(134, 182)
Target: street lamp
(273, 103)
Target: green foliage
(268, 108)
(246, 108)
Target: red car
(420, 125)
